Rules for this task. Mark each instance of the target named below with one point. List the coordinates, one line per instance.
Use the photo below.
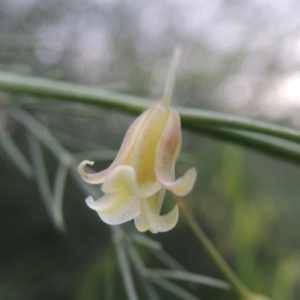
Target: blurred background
(239, 57)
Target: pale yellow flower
(135, 183)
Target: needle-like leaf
(14, 153)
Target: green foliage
(251, 216)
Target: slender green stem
(222, 126)
(267, 144)
(198, 118)
(60, 90)
(237, 285)
(191, 117)
(264, 143)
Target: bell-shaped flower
(134, 185)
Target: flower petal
(183, 185)
(120, 203)
(142, 155)
(121, 179)
(155, 202)
(141, 224)
(149, 219)
(98, 178)
(116, 208)
(165, 222)
(167, 153)
(130, 137)
(101, 203)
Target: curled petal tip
(84, 163)
(95, 178)
(150, 218)
(187, 183)
(163, 223)
(81, 166)
(183, 185)
(168, 221)
(101, 204)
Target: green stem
(270, 145)
(60, 90)
(222, 126)
(267, 144)
(191, 117)
(198, 118)
(237, 285)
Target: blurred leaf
(16, 156)
(41, 173)
(124, 265)
(109, 278)
(186, 276)
(172, 274)
(174, 289)
(145, 241)
(168, 260)
(141, 270)
(52, 200)
(99, 275)
(286, 276)
(58, 190)
(234, 190)
(42, 134)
